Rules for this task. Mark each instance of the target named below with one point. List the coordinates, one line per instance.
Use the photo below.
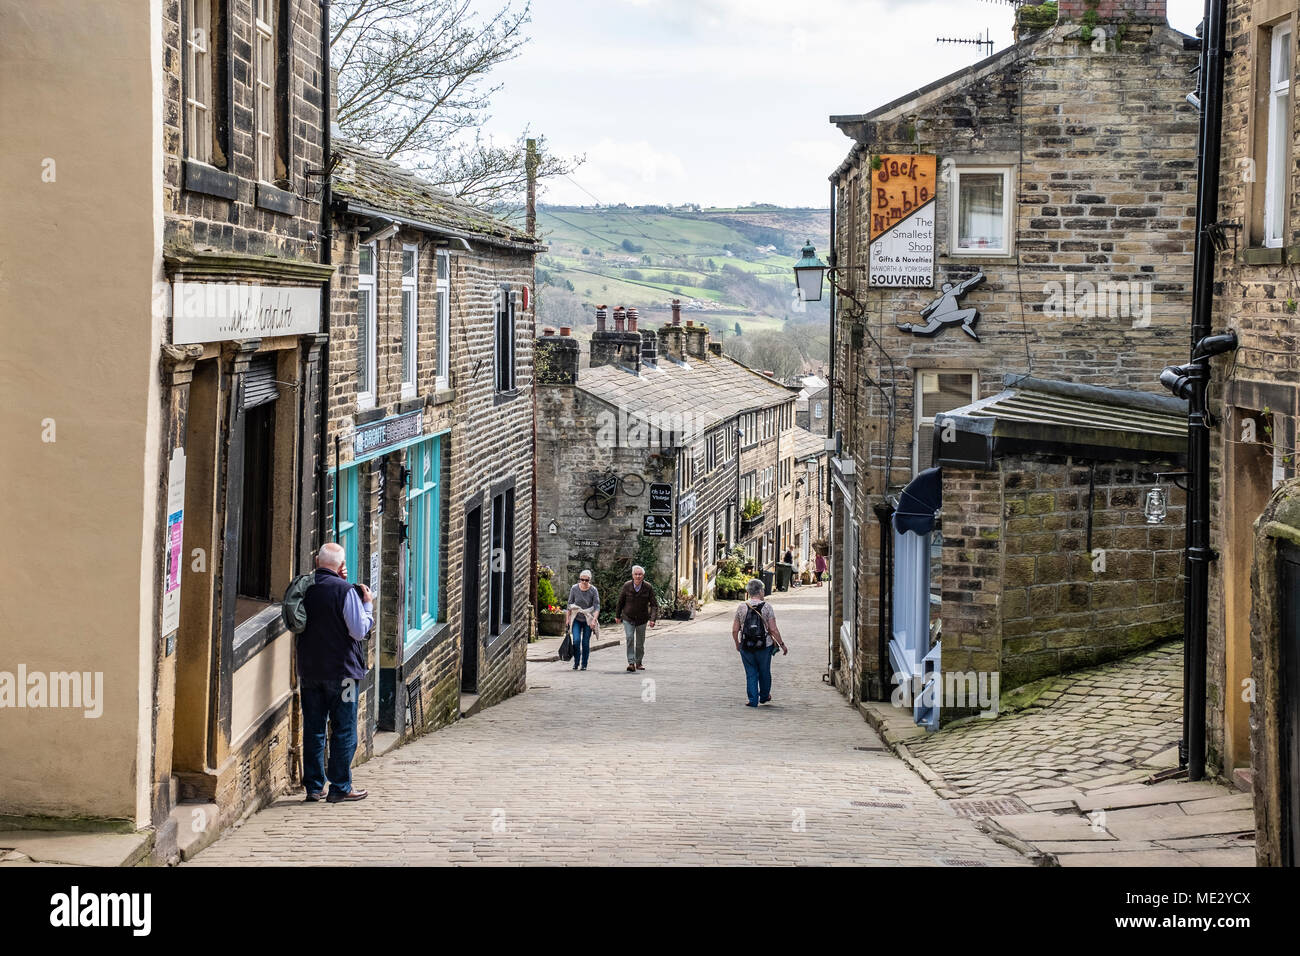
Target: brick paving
(584, 768)
(1104, 720)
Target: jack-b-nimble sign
(902, 222)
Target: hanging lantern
(1157, 506)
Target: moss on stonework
(1036, 18)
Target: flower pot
(683, 614)
(550, 625)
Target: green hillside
(728, 266)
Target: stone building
(1253, 668)
(1030, 215)
(430, 444)
(186, 454)
(651, 453)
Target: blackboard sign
(661, 498)
(658, 526)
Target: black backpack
(753, 633)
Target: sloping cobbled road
(605, 767)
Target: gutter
(361, 209)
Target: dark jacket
(638, 607)
(326, 651)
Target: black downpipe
(885, 615)
(831, 636)
(1199, 554)
(326, 258)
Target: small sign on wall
(658, 526)
(172, 543)
(661, 498)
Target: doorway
(469, 628)
(1289, 701)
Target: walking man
(756, 636)
(331, 666)
(637, 609)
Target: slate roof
(367, 179)
(807, 444)
(698, 394)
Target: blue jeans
(758, 673)
(581, 635)
(335, 701)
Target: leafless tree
(414, 85)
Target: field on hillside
(728, 266)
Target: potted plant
(684, 607)
(550, 616)
(750, 515)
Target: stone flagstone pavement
(665, 766)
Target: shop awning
(920, 502)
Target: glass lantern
(1157, 505)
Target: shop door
(469, 629)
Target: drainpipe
(830, 432)
(1191, 382)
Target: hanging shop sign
(686, 505)
(661, 498)
(372, 438)
(946, 310)
(658, 526)
(902, 208)
(221, 311)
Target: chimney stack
(677, 311)
(697, 342)
(649, 349)
(555, 359)
(618, 347)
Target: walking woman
(819, 569)
(583, 614)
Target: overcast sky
(725, 102)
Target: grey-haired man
(637, 609)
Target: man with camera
(331, 666)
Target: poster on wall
(172, 543)
(901, 210)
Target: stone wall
(1023, 593)
(1101, 145)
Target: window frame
(368, 286)
(346, 504)
(409, 354)
(503, 349)
(199, 72)
(501, 537)
(442, 304)
(954, 213)
(920, 421)
(1277, 175)
(265, 94)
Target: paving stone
(586, 773)
(1177, 792)
(1229, 801)
(1236, 856)
(1204, 824)
(1132, 858)
(1035, 827)
(1095, 846)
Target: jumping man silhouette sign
(946, 311)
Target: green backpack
(293, 609)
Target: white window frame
(918, 420)
(264, 92)
(368, 287)
(1008, 192)
(442, 302)
(1277, 174)
(410, 321)
(198, 81)
(817, 410)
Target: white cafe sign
(221, 311)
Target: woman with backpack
(756, 636)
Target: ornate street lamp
(808, 274)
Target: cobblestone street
(666, 766)
(1103, 720)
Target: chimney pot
(601, 317)
(677, 311)
(619, 318)
(632, 317)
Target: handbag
(566, 648)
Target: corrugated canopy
(1063, 418)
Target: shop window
(254, 590)
(937, 392)
(424, 537)
(982, 219)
